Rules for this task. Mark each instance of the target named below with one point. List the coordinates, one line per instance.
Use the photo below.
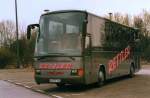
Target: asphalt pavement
(124, 87)
(9, 90)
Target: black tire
(60, 85)
(101, 78)
(132, 71)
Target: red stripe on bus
(55, 66)
(118, 59)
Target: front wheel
(101, 78)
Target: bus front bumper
(69, 80)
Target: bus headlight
(74, 72)
(78, 72)
(38, 72)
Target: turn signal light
(80, 72)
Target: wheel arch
(102, 67)
(132, 70)
(132, 64)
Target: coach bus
(78, 47)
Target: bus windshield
(60, 33)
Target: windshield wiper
(54, 55)
(49, 55)
(62, 54)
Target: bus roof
(84, 11)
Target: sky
(29, 11)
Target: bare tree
(120, 18)
(127, 20)
(146, 21)
(7, 32)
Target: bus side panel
(96, 27)
(108, 40)
(102, 58)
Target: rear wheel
(132, 70)
(60, 84)
(101, 78)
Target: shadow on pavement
(82, 88)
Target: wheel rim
(101, 76)
(131, 70)
(60, 84)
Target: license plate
(54, 80)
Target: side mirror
(29, 28)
